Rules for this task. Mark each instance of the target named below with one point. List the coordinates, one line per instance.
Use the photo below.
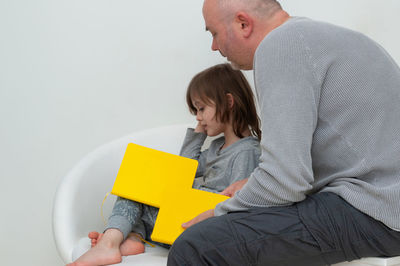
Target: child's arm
(191, 148)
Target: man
(327, 188)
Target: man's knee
(184, 247)
(210, 242)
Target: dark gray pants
(321, 230)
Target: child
(223, 102)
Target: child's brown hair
(213, 84)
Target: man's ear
(245, 23)
(230, 99)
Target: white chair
(77, 204)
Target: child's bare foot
(105, 252)
(95, 237)
(132, 245)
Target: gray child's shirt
(219, 168)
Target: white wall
(76, 74)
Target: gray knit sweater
(330, 109)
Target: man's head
(238, 26)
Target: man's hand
(201, 217)
(231, 190)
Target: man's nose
(214, 45)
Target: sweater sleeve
(288, 95)
(191, 148)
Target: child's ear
(230, 99)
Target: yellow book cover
(145, 172)
(180, 207)
(163, 180)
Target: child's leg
(149, 217)
(142, 229)
(125, 214)
(106, 248)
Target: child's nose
(198, 117)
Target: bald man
(327, 188)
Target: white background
(77, 74)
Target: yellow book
(181, 206)
(145, 172)
(163, 180)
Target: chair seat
(395, 261)
(157, 256)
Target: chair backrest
(78, 200)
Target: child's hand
(231, 190)
(199, 128)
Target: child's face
(207, 119)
